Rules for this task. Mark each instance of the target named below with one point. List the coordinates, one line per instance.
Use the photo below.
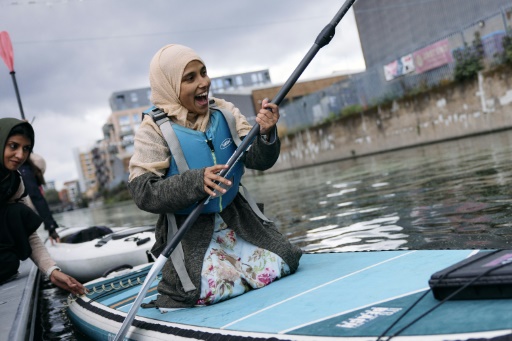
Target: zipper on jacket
(212, 149)
(210, 144)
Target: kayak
(372, 295)
(92, 252)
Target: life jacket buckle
(158, 114)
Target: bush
(331, 118)
(351, 110)
(468, 60)
(116, 194)
(507, 48)
(52, 197)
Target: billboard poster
(399, 67)
(432, 56)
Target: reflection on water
(54, 323)
(449, 195)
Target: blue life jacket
(194, 149)
(202, 149)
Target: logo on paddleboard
(367, 316)
(226, 143)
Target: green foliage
(52, 197)
(469, 60)
(420, 88)
(351, 110)
(386, 99)
(331, 118)
(82, 202)
(507, 48)
(116, 194)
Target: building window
(228, 82)
(129, 149)
(124, 120)
(120, 101)
(124, 123)
(134, 97)
(239, 80)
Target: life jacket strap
(244, 192)
(177, 256)
(170, 137)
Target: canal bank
(447, 112)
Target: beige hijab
(165, 74)
(151, 153)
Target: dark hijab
(9, 180)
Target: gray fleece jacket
(159, 195)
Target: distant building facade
(240, 80)
(248, 99)
(112, 155)
(86, 171)
(73, 188)
(410, 45)
(392, 28)
(296, 108)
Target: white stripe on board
(363, 307)
(315, 288)
(352, 310)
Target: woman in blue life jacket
(231, 248)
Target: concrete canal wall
(448, 112)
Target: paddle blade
(6, 51)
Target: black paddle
(323, 39)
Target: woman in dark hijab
(18, 221)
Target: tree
(52, 197)
(469, 60)
(507, 48)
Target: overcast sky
(71, 55)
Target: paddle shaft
(17, 94)
(322, 39)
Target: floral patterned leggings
(233, 266)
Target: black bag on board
(485, 275)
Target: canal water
(449, 195)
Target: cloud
(57, 137)
(70, 56)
